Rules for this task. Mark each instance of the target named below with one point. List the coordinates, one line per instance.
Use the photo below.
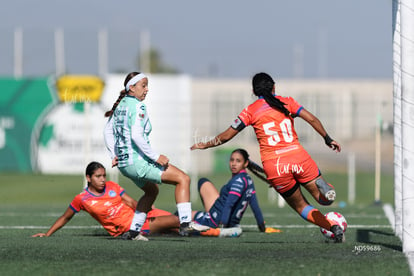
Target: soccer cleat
(230, 232)
(326, 189)
(186, 228)
(338, 233)
(130, 235)
(140, 237)
(330, 195)
(222, 232)
(212, 232)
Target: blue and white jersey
(130, 129)
(234, 198)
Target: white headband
(134, 80)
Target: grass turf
(37, 200)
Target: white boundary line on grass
(22, 227)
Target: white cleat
(330, 195)
(140, 238)
(186, 228)
(230, 232)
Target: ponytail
(257, 170)
(122, 94)
(262, 87)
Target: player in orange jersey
(113, 208)
(287, 165)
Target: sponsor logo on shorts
(288, 168)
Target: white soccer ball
(339, 219)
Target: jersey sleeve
(137, 136)
(76, 204)
(238, 124)
(244, 117)
(254, 205)
(292, 105)
(109, 138)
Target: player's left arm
(317, 125)
(59, 223)
(129, 201)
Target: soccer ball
(339, 219)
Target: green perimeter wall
(22, 101)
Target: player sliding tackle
(114, 209)
(272, 117)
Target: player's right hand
(39, 235)
(115, 161)
(163, 160)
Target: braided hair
(262, 87)
(122, 94)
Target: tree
(156, 65)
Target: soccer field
(31, 203)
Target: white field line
(248, 215)
(22, 227)
(387, 210)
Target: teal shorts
(142, 172)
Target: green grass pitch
(31, 203)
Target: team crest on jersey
(141, 115)
(112, 193)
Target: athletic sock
(137, 221)
(314, 216)
(184, 211)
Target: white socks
(184, 211)
(138, 221)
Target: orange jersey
(274, 130)
(108, 208)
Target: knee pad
(201, 181)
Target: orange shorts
(288, 169)
(153, 213)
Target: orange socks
(314, 216)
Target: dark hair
(262, 87)
(122, 94)
(252, 166)
(92, 167)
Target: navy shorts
(204, 218)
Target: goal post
(403, 20)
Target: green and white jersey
(130, 130)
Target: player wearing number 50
(287, 165)
(127, 140)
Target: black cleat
(338, 233)
(130, 235)
(187, 228)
